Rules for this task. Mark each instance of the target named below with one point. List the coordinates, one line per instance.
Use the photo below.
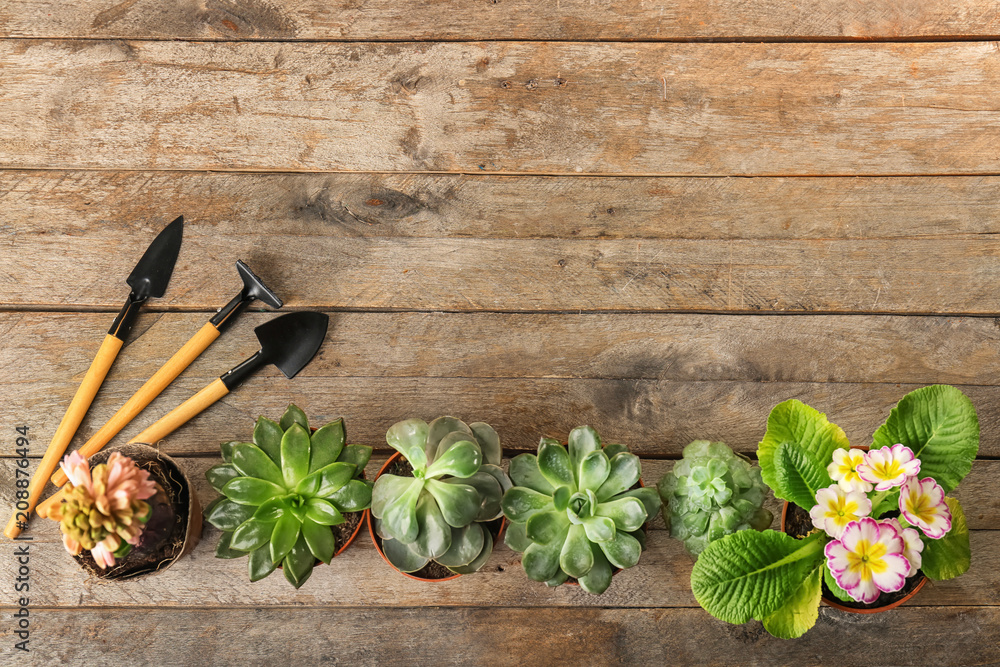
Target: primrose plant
(878, 516)
(284, 492)
(574, 511)
(438, 513)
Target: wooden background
(658, 218)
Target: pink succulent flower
(844, 470)
(836, 508)
(868, 558)
(922, 504)
(77, 470)
(889, 466)
(912, 545)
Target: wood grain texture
(345, 205)
(377, 20)
(730, 109)
(504, 636)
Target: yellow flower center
(868, 559)
(920, 505)
(889, 469)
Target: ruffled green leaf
(267, 436)
(223, 550)
(326, 444)
(625, 471)
(251, 461)
(299, 563)
(576, 558)
(434, 538)
(358, 455)
(402, 556)
(466, 544)
(796, 450)
(355, 496)
(462, 459)
(283, 538)
(408, 438)
(322, 512)
(489, 442)
(252, 535)
(480, 560)
(260, 564)
(524, 472)
(293, 415)
(582, 441)
(940, 425)
(750, 574)
(593, 470)
(555, 466)
(294, 455)
(628, 514)
(951, 555)
(319, 537)
(521, 502)
(598, 579)
(251, 491)
(459, 503)
(440, 428)
(219, 475)
(800, 611)
(543, 527)
(400, 515)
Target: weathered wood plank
(377, 20)
(936, 637)
(58, 347)
(742, 109)
(342, 205)
(957, 276)
(655, 418)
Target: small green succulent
(283, 492)
(710, 493)
(574, 513)
(437, 514)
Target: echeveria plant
(437, 514)
(919, 455)
(712, 492)
(574, 513)
(283, 493)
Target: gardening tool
(253, 289)
(289, 342)
(149, 278)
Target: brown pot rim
(836, 604)
(371, 531)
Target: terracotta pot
(377, 541)
(175, 506)
(837, 604)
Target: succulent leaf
(515, 536)
(251, 535)
(582, 441)
(524, 472)
(326, 444)
(261, 564)
(227, 515)
(466, 545)
(402, 557)
(459, 503)
(598, 579)
(271, 510)
(400, 514)
(498, 474)
(593, 470)
(490, 494)
(599, 528)
(543, 527)
(521, 502)
(489, 442)
(434, 538)
(298, 565)
(555, 465)
(541, 561)
(222, 549)
(357, 455)
(438, 429)
(650, 500)
(293, 415)
(576, 558)
(354, 496)
(623, 550)
(407, 437)
(322, 512)
(447, 441)
(628, 514)
(480, 560)
(461, 459)
(294, 455)
(625, 470)
(330, 478)
(320, 540)
(285, 533)
(251, 491)
(218, 475)
(612, 450)
(251, 461)
(227, 450)
(267, 435)
(387, 489)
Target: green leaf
(599, 528)
(326, 444)
(489, 442)
(438, 430)
(555, 465)
(799, 468)
(951, 555)
(599, 578)
(434, 538)
(613, 450)
(497, 473)
(299, 563)
(625, 471)
(593, 470)
(459, 503)
(227, 450)
(800, 611)
(251, 491)
(834, 587)
(402, 556)
(222, 549)
(521, 502)
(357, 455)
(582, 441)
(388, 488)
(557, 580)
(515, 536)
(543, 527)
(328, 479)
(293, 415)
(252, 535)
(408, 438)
(447, 441)
(541, 561)
(466, 544)
(267, 436)
(576, 558)
(251, 461)
(271, 510)
(319, 537)
(400, 515)
(294, 455)
(227, 515)
(489, 494)
(628, 514)
(649, 498)
(480, 560)
(218, 475)
(940, 425)
(323, 512)
(751, 574)
(354, 496)
(623, 550)
(261, 564)
(524, 472)
(286, 532)
(462, 459)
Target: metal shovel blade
(151, 275)
(291, 341)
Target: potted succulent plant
(127, 512)
(712, 492)
(293, 497)
(874, 523)
(578, 511)
(435, 510)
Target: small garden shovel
(289, 342)
(253, 289)
(149, 278)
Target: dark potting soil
(162, 540)
(342, 532)
(798, 524)
(432, 570)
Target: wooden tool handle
(147, 392)
(174, 419)
(67, 429)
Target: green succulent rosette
(574, 511)
(284, 492)
(437, 514)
